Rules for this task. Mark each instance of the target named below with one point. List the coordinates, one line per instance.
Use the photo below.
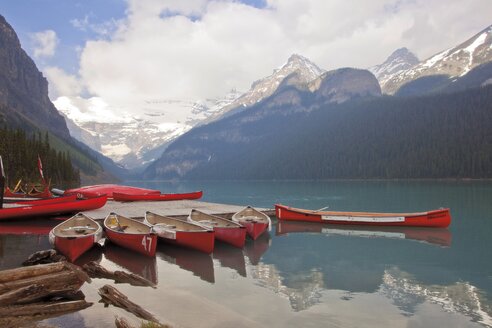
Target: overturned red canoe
(109, 189)
(124, 197)
(225, 230)
(436, 218)
(130, 234)
(75, 236)
(181, 233)
(16, 211)
(256, 222)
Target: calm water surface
(309, 275)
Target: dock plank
(178, 208)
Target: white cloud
(200, 49)
(61, 83)
(45, 43)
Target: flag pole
(2, 182)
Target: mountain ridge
(454, 62)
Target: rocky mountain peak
(453, 62)
(400, 60)
(23, 89)
(343, 84)
(306, 71)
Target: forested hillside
(20, 153)
(437, 136)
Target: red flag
(40, 168)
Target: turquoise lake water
(312, 275)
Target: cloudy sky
(126, 52)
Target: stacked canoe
(78, 234)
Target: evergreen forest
(20, 151)
(421, 137)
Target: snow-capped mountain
(306, 71)
(134, 141)
(400, 60)
(454, 62)
(130, 140)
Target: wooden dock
(178, 208)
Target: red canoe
(109, 189)
(40, 201)
(46, 193)
(256, 222)
(124, 197)
(130, 234)
(75, 236)
(437, 218)
(15, 211)
(182, 233)
(225, 230)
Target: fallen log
(29, 284)
(43, 309)
(95, 270)
(110, 295)
(38, 270)
(26, 315)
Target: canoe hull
(75, 236)
(73, 247)
(109, 189)
(200, 241)
(232, 236)
(124, 197)
(255, 229)
(142, 243)
(52, 208)
(440, 218)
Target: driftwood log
(57, 278)
(94, 270)
(40, 291)
(110, 295)
(25, 315)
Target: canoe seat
(79, 229)
(208, 222)
(164, 225)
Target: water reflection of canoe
(254, 249)
(143, 266)
(92, 255)
(199, 263)
(230, 257)
(437, 218)
(41, 226)
(441, 237)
